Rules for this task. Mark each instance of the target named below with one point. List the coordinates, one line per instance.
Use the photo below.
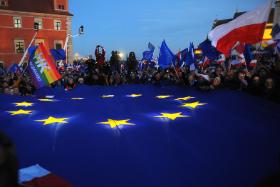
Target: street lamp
(81, 32)
(121, 55)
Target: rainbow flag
(41, 67)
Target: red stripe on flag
(249, 34)
(50, 180)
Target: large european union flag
(143, 135)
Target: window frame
(61, 7)
(56, 27)
(3, 3)
(17, 24)
(58, 42)
(22, 43)
(40, 22)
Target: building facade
(17, 18)
(277, 12)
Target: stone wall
(277, 12)
(70, 55)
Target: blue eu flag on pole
(190, 58)
(208, 50)
(148, 55)
(14, 68)
(278, 48)
(248, 54)
(166, 56)
(184, 54)
(151, 46)
(276, 32)
(58, 54)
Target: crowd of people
(261, 80)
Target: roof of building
(35, 6)
(237, 14)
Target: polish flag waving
(204, 63)
(247, 28)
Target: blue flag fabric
(14, 68)
(248, 54)
(148, 55)
(184, 54)
(278, 47)
(147, 138)
(208, 50)
(166, 56)
(151, 46)
(190, 58)
(58, 54)
(276, 32)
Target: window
(40, 22)
(19, 46)
(3, 3)
(38, 41)
(2, 64)
(17, 22)
(58, 44)
(57, 25)
(61, 7)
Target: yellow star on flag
(193, 105)
(107, 96)
(52, 120)
(172, 116)
(184, 98)
(24, 104)
(77, 98)
(115, 123)
(46, 100)
(163, 96)
(134, 95)
(20, 112)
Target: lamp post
(81, 32)
(36, 29)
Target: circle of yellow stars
(112, 123)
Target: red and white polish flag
(36, 176)
(236, 63)
(253, 63)
(247, 28)
(221, 59)
(204, 63)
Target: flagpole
(26, 51)
(175, 71)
